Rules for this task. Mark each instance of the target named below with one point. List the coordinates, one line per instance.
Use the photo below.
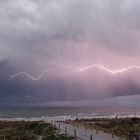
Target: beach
(67, 120)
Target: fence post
(91, 137)
(112, 134)
(65, 130)
(96, 131)
(59, 127)
(75, 137)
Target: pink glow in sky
(69, 50)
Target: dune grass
(29, 130)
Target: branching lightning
(60, 64)
(85, 48)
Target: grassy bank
(29, 130)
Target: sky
(64, 50)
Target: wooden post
(96, 131)
(65, 130)
(112, 134)
(91, 137)
(59, 127)
(75, 137)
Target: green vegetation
(122, 127)
(29, 130)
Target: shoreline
(64, 118)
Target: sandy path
(39, 138)
(84, 134)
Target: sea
(65, 113)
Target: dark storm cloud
(28, 29)
(29, 21)
(3, 62)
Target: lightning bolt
(86, 68)
(109, 70)
(66, 66)
(30, 76)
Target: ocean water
(66, 112)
